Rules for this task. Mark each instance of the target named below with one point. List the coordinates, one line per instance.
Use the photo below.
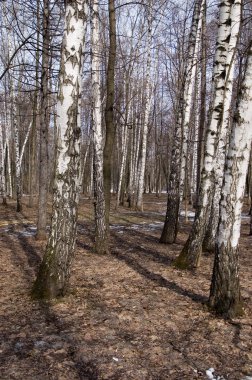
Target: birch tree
(180, 137)
(194, 45)
(142, 163)
(202, 112)
(54, 271)
(19, 154)
(3, 148)
(190, 255)
(225, 297)
(33, 140)
(210, 234)
(44, 125)
(101, 243)
(109, 110)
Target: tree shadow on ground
(141, 253)
(86, 369)
(159, 280)
(33, 257)
(21, 247)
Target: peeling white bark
(190, 255)
(225, 126)
(236, 165)
(99, 198)
(189, 88)
(17, 157)
(2, 164)
(225, 296)
(54, 271)
(142, 164)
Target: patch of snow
(5, 230)
(135, 227)
(190, 214)
(154, 225)
(27, 233)
(209, 373)
(211, 376)
(117, 227)
(31, 228)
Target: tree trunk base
(225, 297)
(41, 235)
(169, 233)
(19, 207)
(101, 247)
(208, 246)
(189, 257)
(167, 239)
(45, 286)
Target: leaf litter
(128, 315)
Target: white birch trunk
(123, 163)
(10, 193)
(134, 155)
(7, 148)
(180, 134)
(190, 255)
(209, 240)
(19, 154)
(189, 89)
(142, 163)
(54, 271)
(225, 290)
(25, 142)
(8, 118)
(101, 244)
(125, 132)
(17, 158)
(83, 164)
(44, 126)
(2, 165)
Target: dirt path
(129, 315)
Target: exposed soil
(128, 315)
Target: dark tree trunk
(33, 139)
(44, 121)
(225, 297)
(171, 224)
(202, 118)
(109, 111)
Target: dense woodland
(114, 101)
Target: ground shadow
(159, 280)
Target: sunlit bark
(180, 136)
(44, 126)
(101, 243)
(54, 272)
(210, 235)
(225, 295)
(190, 255)
(142, 163)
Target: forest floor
(129, 315)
